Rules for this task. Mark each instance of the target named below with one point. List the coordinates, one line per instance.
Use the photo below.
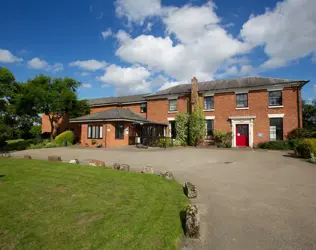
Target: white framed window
(172, 105)
(208, 102)
(275, 98)
(95, 132)
(276, 129)
(242, 100)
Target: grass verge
(45, 205)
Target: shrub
(299, 133)
(20, 144)
(293, 143)
(223, 139)
(69, 136)
(196, 126)
(277, 145)
(182, 120)
(306, 147)
(36, 131)
(165, 142)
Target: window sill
(242, 108)
(208, 110)
(275, 107)
(172, 112)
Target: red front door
(242, 135)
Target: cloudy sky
(139, 46)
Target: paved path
(248, 199)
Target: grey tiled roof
(116, 100)
(228, 84)
(119, 114)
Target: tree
(196, 126)
(55, 98)
(7, 79)
(309, 115)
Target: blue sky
(128, 46)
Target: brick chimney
(194, 93)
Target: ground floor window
(119, 131)
(209, 127)
(95, 132)
(276, 129)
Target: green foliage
(45, 144)
(277, 145)
(69, 136)
(165, 142)
(59, 206)
(36, 130)
(223, 139)
(299, 133)
(20, 144)
(182, 121)
(305, 148)
(196, 126)
(309, 115)
(293, 143)
(6, 81)
(93, 141)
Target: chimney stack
(194, 92)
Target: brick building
(254, 109)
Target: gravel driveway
(248, 199)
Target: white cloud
(246, 69)
(7, 57)
(90, 65)
(127, 80)
(287, 32)
(86, 85)
(106, 33)
(137, 10)
(171, 84)
(37, 63)
(204, 45)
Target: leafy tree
(36, 131)
(196, 126)
(182, 120)
(55, 98)
(309, 115)
(7, 79)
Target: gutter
(299, 103)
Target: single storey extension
(254, 109)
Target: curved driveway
(248, 199)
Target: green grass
(45, 205)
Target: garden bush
(299, 133)
(293, 143)
(196, 126)
(69, 136)
(182, 120)
(165, 142)
(223, 139)
(305, 148)
(277, 145)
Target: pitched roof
(117, 114)
(228, 84)
(116, 100)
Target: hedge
(277, 145)
(306, 147)
(69, 136)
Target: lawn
(45, 205)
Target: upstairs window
(173, 105)
(119, 131)
(95, 132)
(242, 100)
(208, 102)
(275, 98)
(143, 107)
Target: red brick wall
(258, 102)
(108, 139)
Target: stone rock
(121, 167)
(97, 163)
(192, 222)
(190, 190)
(148, 170)
(74, 161)
(28, 157)
(124, 167)
(5, 155)
(54, 158)
(116, 166)
(167, 175)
